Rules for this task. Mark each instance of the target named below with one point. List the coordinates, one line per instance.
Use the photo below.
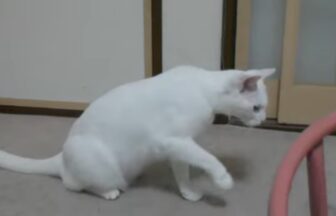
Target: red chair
(310, 145)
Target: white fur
(154, 119)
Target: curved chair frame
(309, 144)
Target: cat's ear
(263, 73)
(249, 83)
(250, 78)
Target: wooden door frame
(242, 54)
(314, 101)
(228, 38)
(153, 37)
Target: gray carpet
(251, 155)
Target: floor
(251, 155)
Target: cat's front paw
(191, 195)
(225, 181)
(111, 195)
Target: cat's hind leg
(70, 183)
(181, 173)
(92, 167)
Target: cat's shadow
(160, 176)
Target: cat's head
(245, 96)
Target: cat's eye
(256, 108)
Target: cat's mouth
(253, 123)
(249, 123)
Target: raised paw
(111, 195)
(191, 195)
(225, 181)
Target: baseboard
(63, 105)
(271, 124)
(39, 111)
(221, 119)
(41, 107)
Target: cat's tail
(48, 166)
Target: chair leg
(317, 182)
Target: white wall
(69, 50)
(191, 33)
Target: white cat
(154, 119)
